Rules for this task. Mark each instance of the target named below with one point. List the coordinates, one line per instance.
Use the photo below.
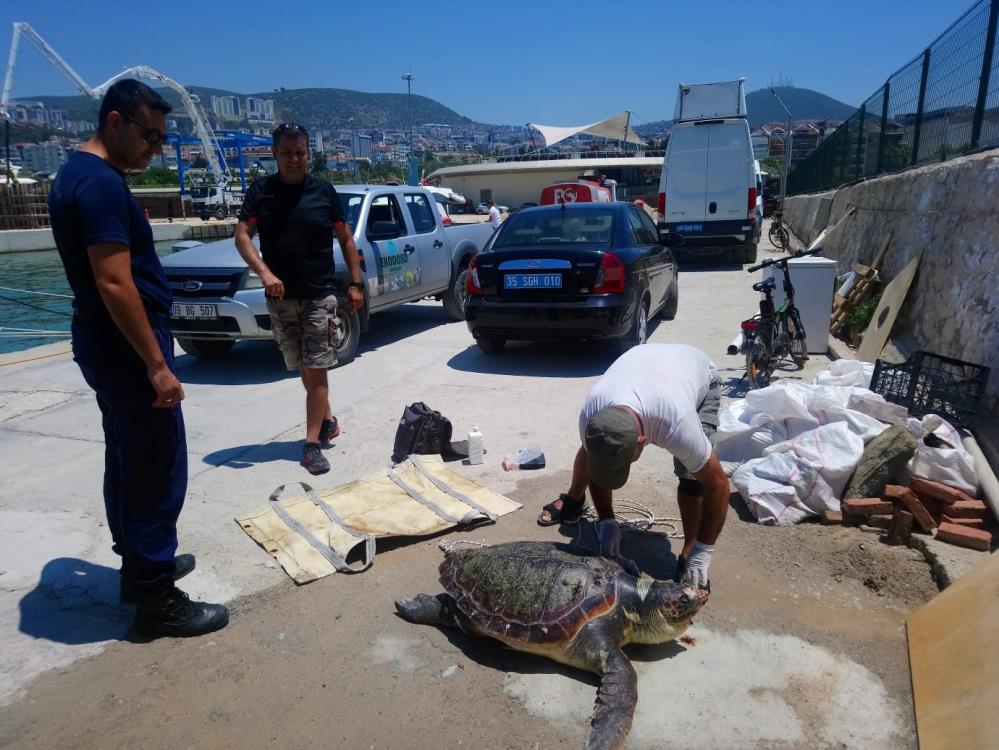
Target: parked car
(482, 209)
(407, 253)
(526, 204)
(575, 271)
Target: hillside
(310, 107)
(804, 104)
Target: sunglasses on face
(152, 136)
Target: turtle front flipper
(616, 702)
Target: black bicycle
(778, 232)
(775, 333)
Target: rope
(32, 359)
(625, 512)
(28, 291)
(35, 307)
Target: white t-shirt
(494, 217)
(664, 384)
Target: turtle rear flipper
(616, 702)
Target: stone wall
(947, 212)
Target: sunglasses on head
(152, 136)
(289, 127)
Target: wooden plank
(954, 659)
(876, 335)
(881, 254)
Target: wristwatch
(357, 285)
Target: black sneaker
(313, 459)
(173, 614)
(329, 429)
(182, 565)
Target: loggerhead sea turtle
(578, 609)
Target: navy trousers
(145, 460)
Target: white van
(708, 188)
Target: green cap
(610, 439)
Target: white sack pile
(792, 448)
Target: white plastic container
(813, 278)
(474, 446)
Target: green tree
(318, 161)
(154, 177)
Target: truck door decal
(394, 271)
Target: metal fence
(942, 104)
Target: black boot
(182, 565)
(172, 613)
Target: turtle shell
(533, 592)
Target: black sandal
(570, 512)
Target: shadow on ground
(251, 362)
(75, 602)
(245, 456)
(542, 359)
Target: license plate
(689, 227)
(532, 281)
(194, 312)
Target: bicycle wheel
(759, 365)
(774, 233)
(796, 341)
(784, 240)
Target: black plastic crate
(930, 384)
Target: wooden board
(876, 335)
(954, 658)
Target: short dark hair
(291, 129)
(126, 96)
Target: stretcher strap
(447, 489)
(421, 498)
(331, 556)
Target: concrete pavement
(244, 415)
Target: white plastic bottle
(474, 446)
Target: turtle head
(663, 610)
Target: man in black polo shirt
(122, 343)
(297, 217)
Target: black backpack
(423, 431)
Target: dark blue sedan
(573, 271)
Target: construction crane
(212, 152)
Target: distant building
(259, 110)
(316, 141)
(360, 146)
(44, 157)
(226, 106)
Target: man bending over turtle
(667, 395)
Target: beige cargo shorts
(306, 331)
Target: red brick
(966, 509)
(901, 527)
(936, 490)
(832, 517)
(868, 506)
(969, 523)
(965, 537)
(907, 500)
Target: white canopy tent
(616, 128)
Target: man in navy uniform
(123, 346)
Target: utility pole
(353, 146)
(408, 78)
(787, 151)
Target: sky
(553, 63)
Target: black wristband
(357, 285)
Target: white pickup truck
(406, 252)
